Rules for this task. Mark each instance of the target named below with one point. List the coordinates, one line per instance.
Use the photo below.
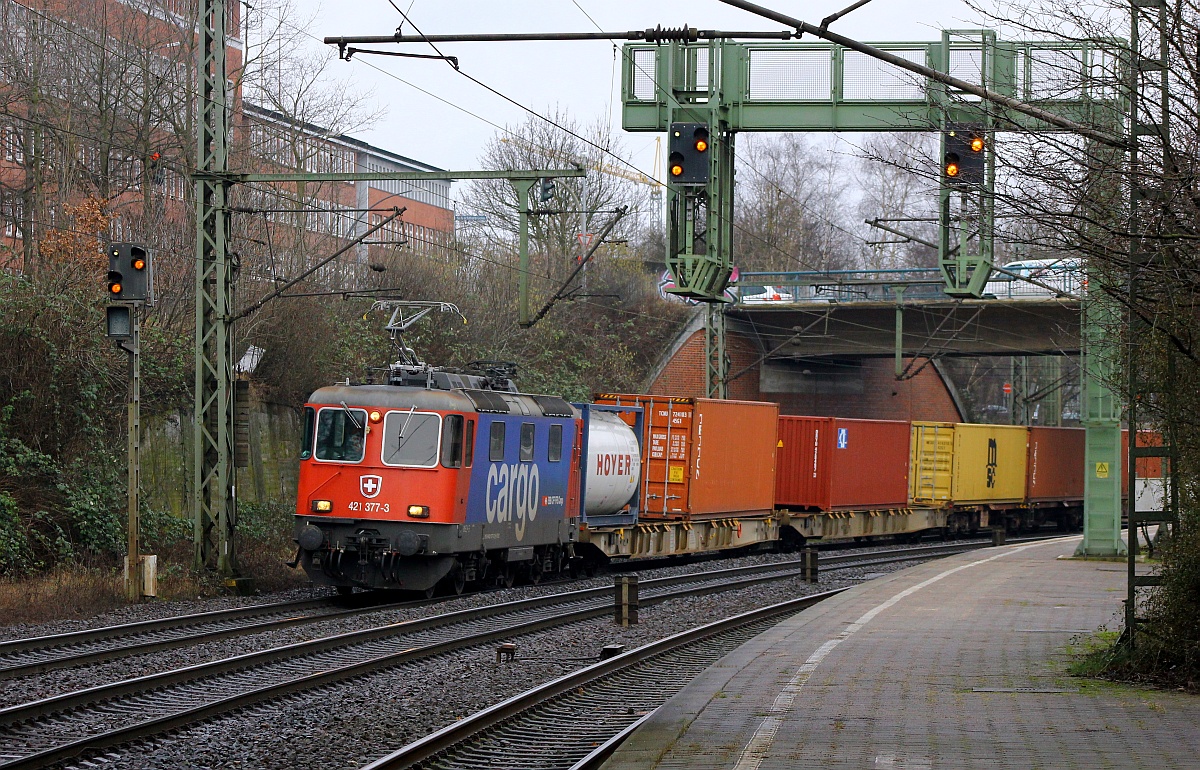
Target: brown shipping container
(1055, 464)
(704, 457)
(828, 463)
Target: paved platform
(956, 663)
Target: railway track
(54, 729)
(58, 728)
(541, 729)
(36, 655)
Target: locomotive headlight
(322, 506)
(418, 511)
(375, 415)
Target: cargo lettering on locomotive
(513, 494)
(993, 454)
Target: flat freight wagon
(703, 457)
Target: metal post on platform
(626, 600)
(998, 535)
(811, 565)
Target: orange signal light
(139, 264)
(977, 144)
(676, 170)
(701, 145)
(951, 169)
(114, 288)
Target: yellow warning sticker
(780, 444)
(675, 475)
(1101, 470)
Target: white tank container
(614, 463)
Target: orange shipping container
(704, 457)
(1055, 464)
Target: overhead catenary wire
(601, 148)
(421, 37)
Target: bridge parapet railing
(754, 288)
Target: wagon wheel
(344, 590)
(458, 580)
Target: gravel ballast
(352, 723)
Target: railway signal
(546, 191)
(688, 158)
(130, 275)
(964, 155)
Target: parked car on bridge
(757, 295)
(1059, 276)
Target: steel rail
(432, 747)
(462, 730)
(63, 643)
(66, 701)
(158, 624)
(186, 716)
(56, 706)
(44, 656)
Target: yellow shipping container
(967, 464)
(931, 465)
(989, 463)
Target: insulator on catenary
(661, 34)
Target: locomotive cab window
(411, 438)
(554, 446)
(452, 441)
(527, 429)
(496, 442)
(341, 434)
(310, 425)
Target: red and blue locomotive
(448, 478)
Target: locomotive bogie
(418, 556)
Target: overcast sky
(575, 77)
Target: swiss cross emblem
(370, 485)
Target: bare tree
(1061, 194)
(791, 204)
(893, 191)
(578, 206)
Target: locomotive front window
(310, 425)
(411, 438)
(554, 447)
(496, 443)
(340, 434)
(527, 442)
(452, 441)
